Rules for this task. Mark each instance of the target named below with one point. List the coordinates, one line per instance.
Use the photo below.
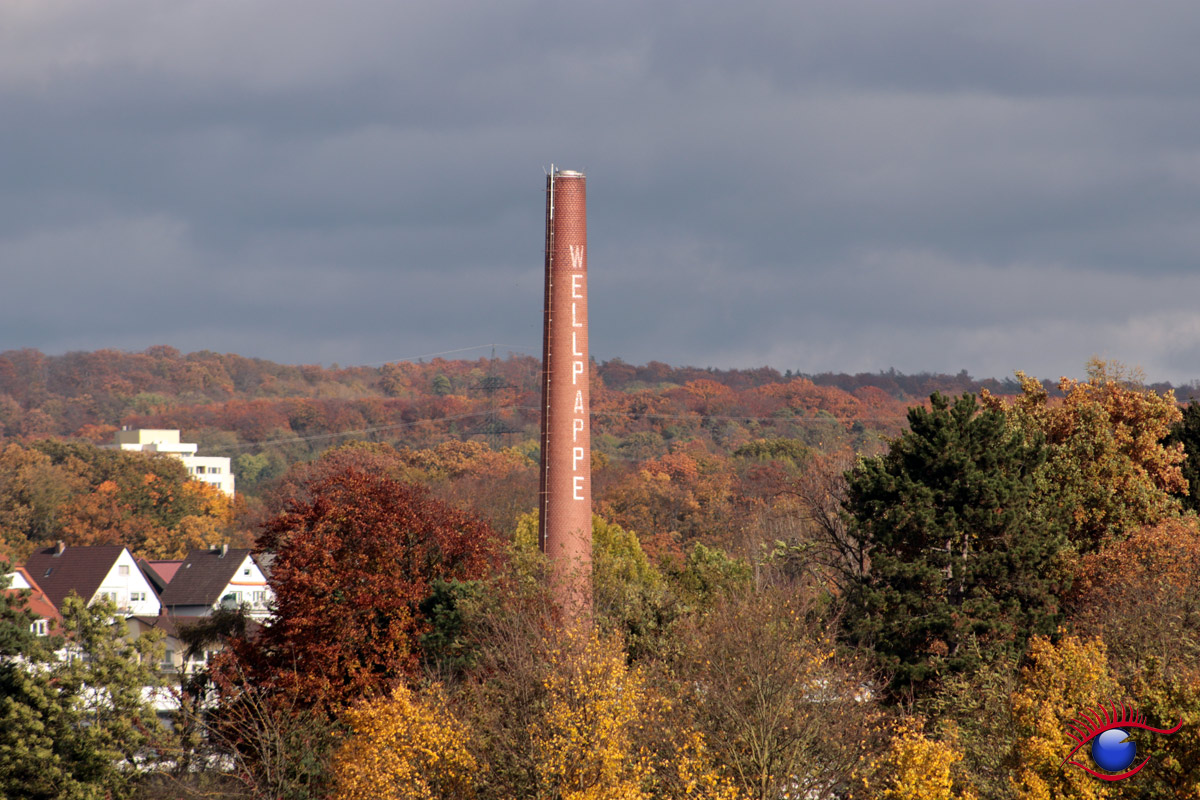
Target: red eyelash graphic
(1104, 719)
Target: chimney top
(59, 547)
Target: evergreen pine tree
(962, 555)
(74, 724)
(16, 636)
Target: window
(123, 569)
(168, 661)
(245, 570)
(137, 597)
(257, 597)
(199, 470)
(38, 627)
(214, 470)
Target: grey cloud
(831, 185)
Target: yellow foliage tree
(695, 777)
(585, 738)
(592, 739)
(1063, 680)
(405, 747)
(628, 592)
(915, 767)
(208, 525)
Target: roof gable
(20, 579)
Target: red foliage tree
(355, 556)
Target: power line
(735, 417)
(360, 432)
(489, 411)
(452, 352)
(493, 427)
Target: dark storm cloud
(818, 186)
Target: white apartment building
(214, 470)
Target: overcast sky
(845, 186)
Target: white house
(104, 571)
(221, 576)
(214, 470)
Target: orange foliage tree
(673, 500)
(1109, 465)
(356, 554)
(87, 496)
(1141, 595)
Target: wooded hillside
(817, 586)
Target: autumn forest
(805, 586)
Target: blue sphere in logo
(1111, 753)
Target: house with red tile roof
(47, 617)
(166, 569)
(103, 571)
(159, 573)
